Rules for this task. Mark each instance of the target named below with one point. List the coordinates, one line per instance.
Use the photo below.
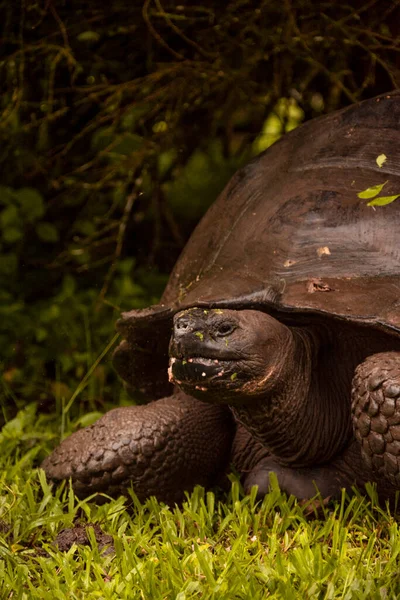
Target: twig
(118, 249)
(155, 34)
(179, 32)
(85, 380)
(60, 24)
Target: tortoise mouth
(200, 370)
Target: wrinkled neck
(306, 419)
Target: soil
(79, 535)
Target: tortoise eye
(225, 329)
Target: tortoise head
(228, 356)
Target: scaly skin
(376, 413)
(163, 449)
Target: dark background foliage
(119, 125)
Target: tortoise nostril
(184, 325)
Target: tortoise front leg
(163, 449)
(376, 413)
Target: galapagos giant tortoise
(281, 326)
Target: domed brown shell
(290, 234)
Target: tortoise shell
(289, 234)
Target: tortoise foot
(303, 483)
(376, 413)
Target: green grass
(211, 547)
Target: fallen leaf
(383, 200)
(380, 160)
(371, 192)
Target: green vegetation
(119, 125)
(207, 548)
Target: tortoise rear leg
(256, 464)
(376, 413)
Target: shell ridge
(348, 162)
